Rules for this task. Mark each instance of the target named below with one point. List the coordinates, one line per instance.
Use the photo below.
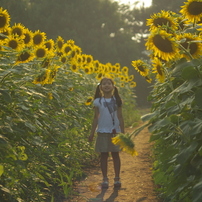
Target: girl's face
(106, 86)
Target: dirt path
(136, 178)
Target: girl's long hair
(98, 93)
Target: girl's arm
(120, 117)
(94, 124)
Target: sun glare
(136, 3)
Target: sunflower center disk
(195, 8)
(163, 44)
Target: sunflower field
(46, 93)
(175, 49)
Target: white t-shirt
(105, 120)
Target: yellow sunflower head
(5, 34)
(24, 57)
(28, 37)
(18, 30)
(89, 101)
(66, 49)
(163, 45)
(63, 59)
(41, 51)
(49, 44)
(4, 19)
(38, 38)
(59, 43)
(191, 45)
(192, 10)
(158, 70)
(74, 67)
(133, 84)
(141, 67)
(125, 70)
(161, 20)
(15, 43)
(125, 143)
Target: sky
(147, 3)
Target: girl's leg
(117, 164)
(103, 163)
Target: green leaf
(198, 98)
(189, 73)
(1, 170)
(6, 95)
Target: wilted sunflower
(89, 101)
(38, 38)
(41, 51)
(158, 70)
(192, 45)
(163, 45)
(161, 20)
(14, 43)
(4, 19)
(18, 30)
(59, 43)
(141, 67)
(125, 143)
(28, 37)
(192, 10)
(24, 57)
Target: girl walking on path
(108, 121)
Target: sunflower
(96, 66)
(124, 70)
(125, 143)
(133, 84)
(50, 96)
(5, 34)
(99, 76)
(89, 59)
(59, 43)
(46, 63)
(28, 37)
(42, 78)
(192, 46)
(49, 44)
(141, 67)
(192, 10)
(131, 77)
(4, 19)
(158, 70)
(66, 49)
(63, 59)
(14, 43)
(38, 38)
(89, 101)
(24, 57)
(41, 51)
(74, 67)
(52, 74)
(163, 45)
(162, 19)
(18, 30)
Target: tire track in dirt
(136, 177)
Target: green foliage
(176, 130)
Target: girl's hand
(90, 138)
